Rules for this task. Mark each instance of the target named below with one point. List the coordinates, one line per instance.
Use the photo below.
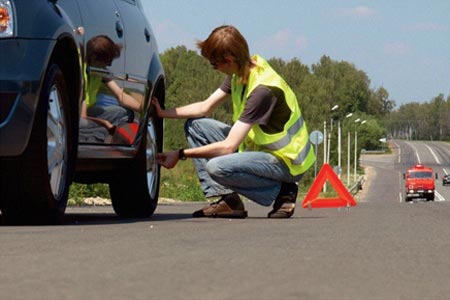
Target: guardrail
(357, 186)
(363, 151)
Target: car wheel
(35, 186)
(134, 191)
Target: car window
(421, 175)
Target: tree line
(421, 121)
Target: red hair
(225, 41)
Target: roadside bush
(78, 192)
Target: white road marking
(399, 159)
(415, 151)
(439, 196)
(433, 154)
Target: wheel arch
(65, 54)
(160, 93)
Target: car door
(138, 54)
(104, 52)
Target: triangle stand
(312, 199)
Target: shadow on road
(102, 218)
(112, 218)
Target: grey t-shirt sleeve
(226, 85)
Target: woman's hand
(168, 159)
(159, 110)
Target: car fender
(31, 52)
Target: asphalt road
(381, 249)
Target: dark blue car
(76, 79)
(446, 179)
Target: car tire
(135, 189)
(35, 186)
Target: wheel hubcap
(56, 143)
(152, 164)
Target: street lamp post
(327, 142)
(325, 149)
(348, 150)
(356, 146)
(330, 133)
(339, 148)
(348, 159)
(333, 109)
(339, 142)
(356, 150)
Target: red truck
(419, 183)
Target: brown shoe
(284, 204)
(228, 206)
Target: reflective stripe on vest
(284, 141)
(292, 144)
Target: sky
(402, 45)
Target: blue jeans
(255, 175)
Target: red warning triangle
(344, 198)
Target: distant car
(446, 179)
(76, 79)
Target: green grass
(181, 183)
(78, 192)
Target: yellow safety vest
(92, 85)
(292, 144)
